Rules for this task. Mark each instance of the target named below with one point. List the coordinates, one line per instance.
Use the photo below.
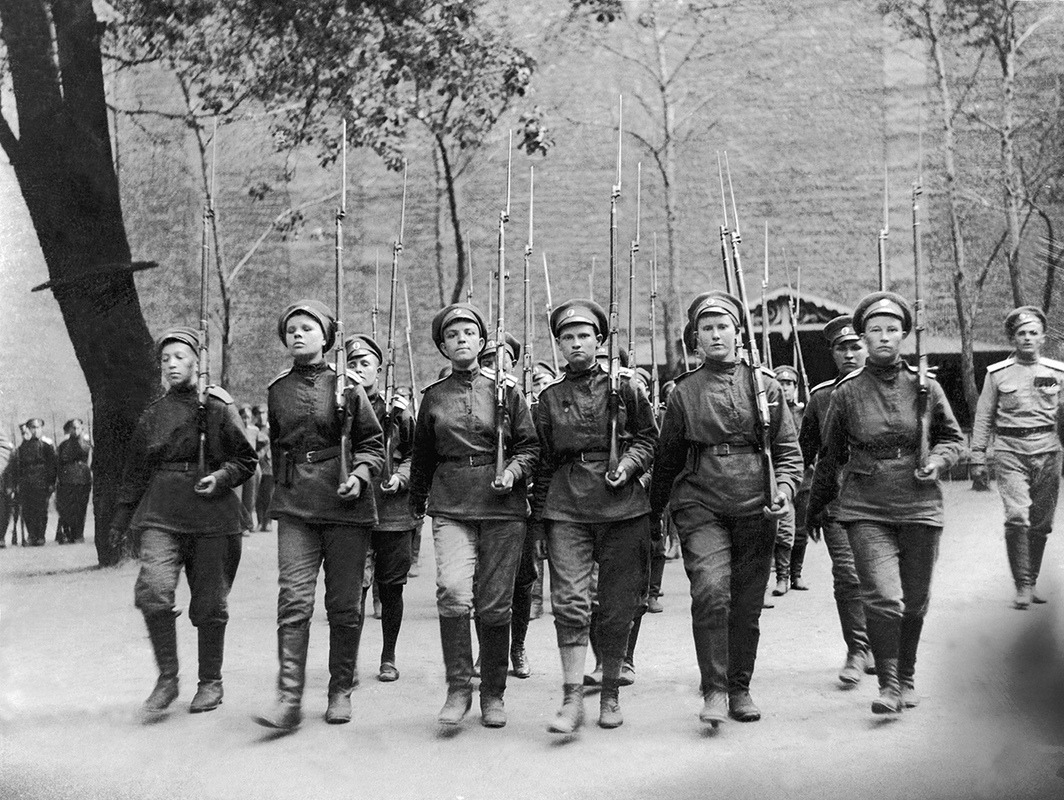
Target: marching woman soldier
(321, 522)
(890, 505)
(185, 519)
(709, 470)
(590, 516)
(478, 518)
(1020, 404)
(394, 532)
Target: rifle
(591, 280)
(795, 309)
(766, 347)
(469, 287)
(376, 310)
(339, 351)
(758, 378)
(918, 322)
(632, 250)
(655, 383)
(526, 348)
(410, 352)
(500, 330)
(392, 426)
(725, 234)
(550, 310)
(613, 402)
(203, 378)
(883, 233)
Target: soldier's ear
(598, 338)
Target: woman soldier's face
(304, 337)
(882, 336)
(462, 343)
(179, 363)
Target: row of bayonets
(735, 283)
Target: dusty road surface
(75, 665)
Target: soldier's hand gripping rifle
(764, 420)
(550, 310)
(501, 482)
(526, 347)
(613, 401)
(204, 377)
(391, 429)
(338, 350)
(923, 418)
(632, 250)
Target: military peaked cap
(573, 311)
(361, 344)
(715, 302)
(179, 333)
(888, 303)
(317, 311)
(840, 330)
(1022, 316)
(452, 313)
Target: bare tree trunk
(65, 169)
(671, 311)
(1011, 178)
(966, 298)
(456, 223)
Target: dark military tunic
(872, 436)
(453, 462)
(571, 420)
(711, 407)
(305, 431)
(161, 468)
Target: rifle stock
(500, 330)
(613, 402)
(204, 374)
(924, 422)
(338, 350)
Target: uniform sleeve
(985, 410)
(547, 463)
(239, 461)
(524, 444)
(642, 430)
(786, 455)
(670, 453)
(834, 452)
(365, 436)
(423, 458)
(947, 440)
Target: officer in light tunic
(1020, 405)
(708, 468)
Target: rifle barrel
(340, 352)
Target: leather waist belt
(314, 456)
(885, 453)
(183, 466)
(1022, 432)
(730, 449)
(475, 460)
(590, 456)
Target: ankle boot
(797, 560)
(850, 674)
(711, 649)
(714, 708)
(741, 706)
(571, 715)
(1017, 547)
(627, 676)
(343, 656)
(522, 609)
(162, 631)
(458, 661)
(889, 700)
(1036, 549)
(287, 712)
(610, 704)
(494, 651)
(211, 648)
(911, 627)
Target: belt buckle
(471, 460)
(582, 458)
(724, 449)
(307, 456)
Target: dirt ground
(75, 665)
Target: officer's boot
(162, 631)
(287, 712)
(1017, 545)
(595, 678)
(343, 656)
(609, 700)
(458, 662)
(889, 700)
(782, 555)
(797, 560)
(211, 648)
(521, 612)
(711, 648)
(628, 665)
(537, 595)
(494, 651)
(911, 628)
(1036, 549)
